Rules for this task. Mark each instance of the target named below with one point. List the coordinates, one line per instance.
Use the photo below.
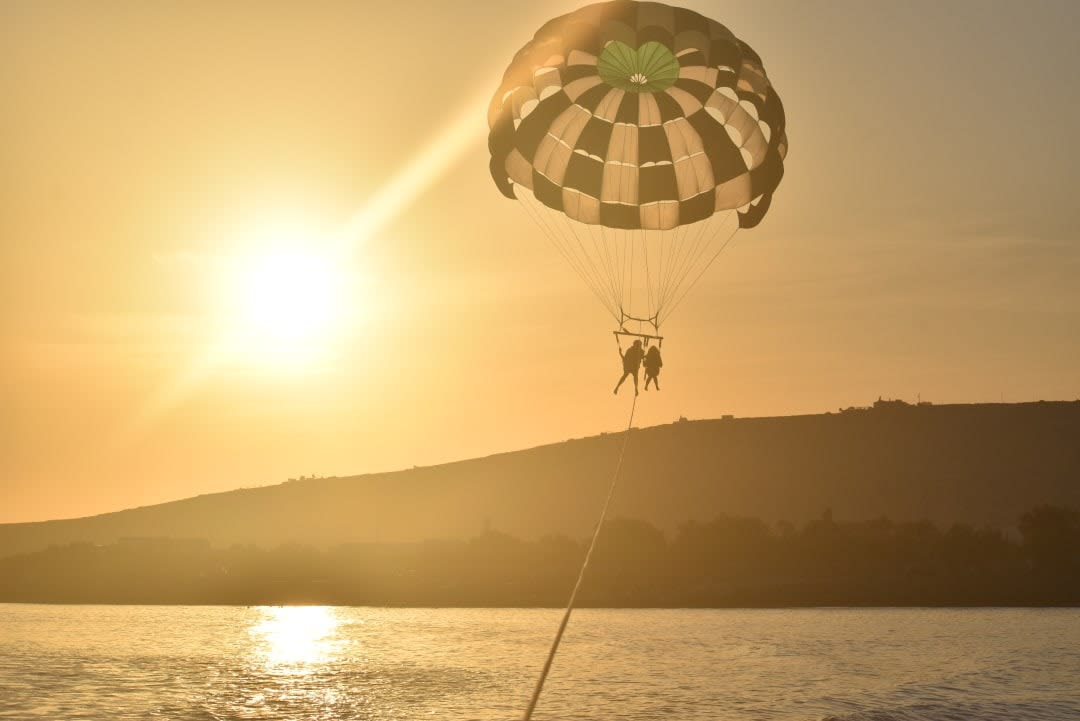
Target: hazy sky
(924, 239)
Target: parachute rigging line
(637, 273)
(581, 574)
(686, 291)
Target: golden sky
(154, 156)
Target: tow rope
(581, 574)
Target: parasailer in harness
(631, 362)
(653, 364)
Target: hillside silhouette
(973, 464)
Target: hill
(978, 464)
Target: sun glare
(289, 298)
(298, 637)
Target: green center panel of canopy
(649, 69)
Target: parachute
(639, 137)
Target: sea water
(333, 663)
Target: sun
(289, 301)
(291, 295)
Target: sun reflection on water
(297, 638)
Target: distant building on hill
(885, 404)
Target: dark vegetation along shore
(722, 563)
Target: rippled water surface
(306, 663)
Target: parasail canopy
(639, 137)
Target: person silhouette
(653, 364)
(631, 362)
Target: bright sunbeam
(424, 169)
(297, 636)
